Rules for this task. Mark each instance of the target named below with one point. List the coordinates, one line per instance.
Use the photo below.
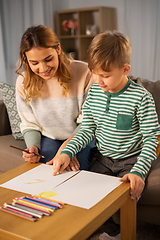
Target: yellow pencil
(34, 205)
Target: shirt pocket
(124, 121)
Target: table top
(68, 223)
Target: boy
(119, 114)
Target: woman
(50, 93)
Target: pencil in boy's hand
(27, 151)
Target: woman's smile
(47, 73)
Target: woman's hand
(31, 157)
(73, 165)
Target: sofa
(148, 207)
(9, 157)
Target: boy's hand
(137, 184)
(60, 163)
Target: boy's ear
(126, 68)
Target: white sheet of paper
(82, 189)
(37, 180)
(86, 189)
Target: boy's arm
(150, 129)
(84, 136)
(74, 164)
(79, 141)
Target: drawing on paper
(36, 181)
(47, 194)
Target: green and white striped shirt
(123, 123)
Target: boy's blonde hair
(44, 37)
(109, 49)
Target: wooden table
(69, 223)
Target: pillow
(9, 99)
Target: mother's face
(44, 62)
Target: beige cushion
(10, 157)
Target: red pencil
(18, 214)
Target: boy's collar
(121, 91)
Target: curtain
(15, 17)
(2, 58)
(142, 21)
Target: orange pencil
(49, 199)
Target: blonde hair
(41, 36)
(109, 49)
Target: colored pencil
(28, 209)
(36, 154)
(48, 199)
(11, 211)
(45, 212)
(43, 201)
(40, 203)
(34, 205)
(22, 210)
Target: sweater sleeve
(150, 129)
(30, 128)
(32, 138)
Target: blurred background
(138, 19)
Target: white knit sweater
(54, 115)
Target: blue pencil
(42, 204)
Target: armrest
(154, 89)
(5, 128)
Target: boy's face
(113, 81)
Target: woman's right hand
(31, 157)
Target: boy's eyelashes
(103, 76)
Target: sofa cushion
(151, 193)
(4, 120)
(10, 157)
(154, 89)
(9, 98)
